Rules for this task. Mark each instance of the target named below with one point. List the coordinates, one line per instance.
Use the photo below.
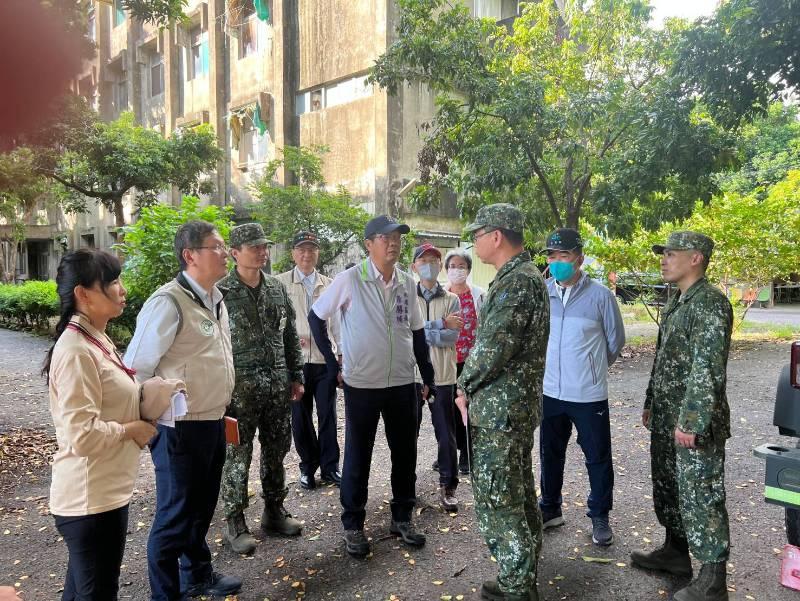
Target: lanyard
(79, 328)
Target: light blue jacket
(586, 337)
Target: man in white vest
(182, 332)
(383, 338)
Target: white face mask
(428, 271)
(457, 275)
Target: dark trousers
(363, 407)
(443, 418)
(316, 450)
(594, 437)
(461, 430)
(188, 463)
(95, 544)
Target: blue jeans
(188, 463)
(592, 422)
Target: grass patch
(640, 341)
(750, 330)
(637, 312)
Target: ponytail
(84, 267)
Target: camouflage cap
(498, 216)
(687, 240)
(251, 234)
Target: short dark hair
(514, 238)
(191, 235)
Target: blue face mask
(562, 270)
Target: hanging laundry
(262, 10)
(235, 122)
(258, 123)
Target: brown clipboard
(231, 430)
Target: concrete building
(264, 74)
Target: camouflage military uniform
(502, 378)
(687, 391)
(267, 358)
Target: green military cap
(498, 216)
(687, 241)
(251, 234)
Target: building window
(248, 29)
(335, 94)
(118, 14)
(87, 240)
(121, 93)
(497, 9)
(198, 53)
(156, 74)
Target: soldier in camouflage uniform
(686, 411)
(502, 383)
(269, 375)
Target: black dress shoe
(216, 585)
(333, 477)
(307, 481)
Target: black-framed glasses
(220, 248)
(475, 237)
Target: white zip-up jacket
(586, 337)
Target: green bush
(28, 304)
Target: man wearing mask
(305, 285)
(586, 337)
(269, 376)
(383, 336)
(440, 310)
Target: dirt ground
(454, 562)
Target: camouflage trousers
(689, 494)
(505, 504)
(258, 403)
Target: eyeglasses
(389, 238)
(220, 248)
(483, 233)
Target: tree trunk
(119, 213)
(8, 257)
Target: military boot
(710, 585)
(238, 537)
(490, 591)
(672, 557)
(276, 520)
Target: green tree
(149, 250)
(21, 191)
(743, 57)
(570, 113)
(767, 148)
(104, 161)
(307, 205)
(158, 12)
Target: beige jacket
(297, 294)
(94, 469)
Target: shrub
(28, 304)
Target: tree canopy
(103, 161)
(572, 112)
(744, 56)
(158, 12)
(307, 205)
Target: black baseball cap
(564, 239)
(383, 224)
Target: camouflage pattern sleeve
(709, 344)
(498, 340)
(291, 341)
